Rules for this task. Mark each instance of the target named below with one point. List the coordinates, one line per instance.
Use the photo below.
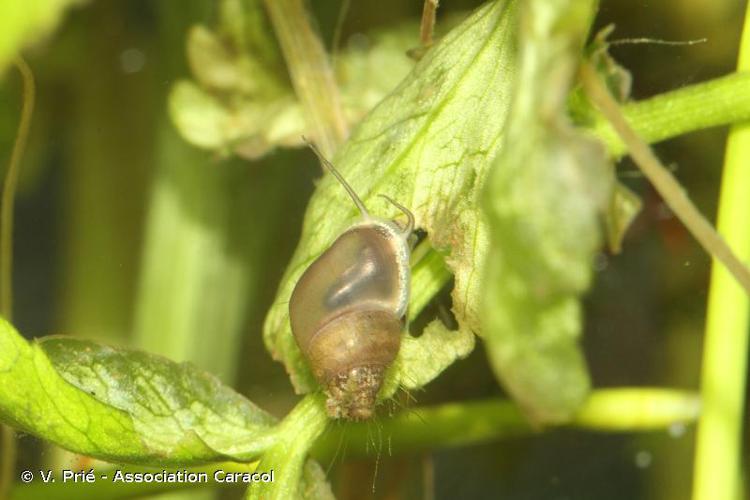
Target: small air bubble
(643, 459)
(132, 61)
(677, 430)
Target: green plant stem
(664, 182)
(8, 438)
(724, 370)
(193, 275)
(297, 434)
(461, 424)
(310, 71)
(720, 101)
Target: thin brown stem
(9, 191)
(427, 26)
(8, 438)
(310, 71)
(664, 182)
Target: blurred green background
(128, 235)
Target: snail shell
(347, 310)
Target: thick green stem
(461, 424)
(8, 437)
(721, 101)
(101, 199)
(194, 278)
(193, 285)
(310, 71)
(719, 438)
(298, 432)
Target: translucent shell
(346, 314)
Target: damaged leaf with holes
(428, 145)
(548, 190)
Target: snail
(347, 309)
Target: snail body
(347, 309)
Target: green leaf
(618, 79)
(25, 22)
(428, 145)
(548, 189)
(124, 406)
(624, 206)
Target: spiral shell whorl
(349, 356)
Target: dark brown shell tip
(351, 395)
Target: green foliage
(124, 406)
(168, 403)
(623, 207)
(128, 406)
(476, 139)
